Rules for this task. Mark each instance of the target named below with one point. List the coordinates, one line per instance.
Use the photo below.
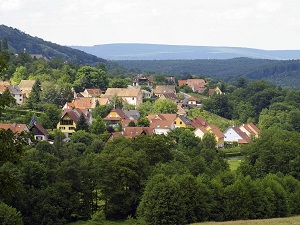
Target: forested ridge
(19, 41)
(156, 179)
(284, 73)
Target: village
(125, 122)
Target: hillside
(280, 72)
(19, 41)
(171, 52)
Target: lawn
(234, 163)
(276, 221)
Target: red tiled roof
(14, 127)
(199, 121)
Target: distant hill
(169, 52)
(18, 41)
(285, 73)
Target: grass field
(295, 220)
(234, 163)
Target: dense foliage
(18, 41)
(284, 72)
(152, 179)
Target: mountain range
(185, 52)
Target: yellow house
(68, 121)
(181, 121)
(219, 136)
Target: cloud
(10, 5)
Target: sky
(261, 24)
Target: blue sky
(262, 24)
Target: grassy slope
(275, 221)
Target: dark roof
(185, 120)
(40, 128)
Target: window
(175, 122)
(71, 128)
(66, 122)
(62, 128)
(180, 122)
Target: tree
(90, 77)
(101, 111)
(82, 123)
(34, 99)
(6, 100)
(145, 108)
(219, 104)
(143, 122)
(21, 73)
(162, 202)
(98, 126)
(9, 215)
(164, 106)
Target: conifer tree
(82, 123)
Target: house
(14, 90)
(171, 80)
(132, 132)
(88, 103)
(39, 132)
(250, 129)
(180, 109)
(17, 94)
(164, 89)
(147, 94)
(3, 86)
(162, 123)
(219, 136)
(173, 97)
(131, 96)
(140, 79)
(162, 126)
(116, 117)
(16, 128)
(181, 121)
(192, 101)
(216, 90)
(197, 85)
(26, 86)
(90, 92)
(132, 116)
(68, 121)
(235, 134)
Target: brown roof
(164, 124)
(215, 130)
(40, 128)
(74, 114)
(94, 92)
(161, 89)
(211, 91)
(26, 84)
(165, 116)
(120, 112)
(131, 132)
(122, 92)
(244, 137)
(253, 128)
(181, 82)
(198, 122)
(4, 85)
(14, 127)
